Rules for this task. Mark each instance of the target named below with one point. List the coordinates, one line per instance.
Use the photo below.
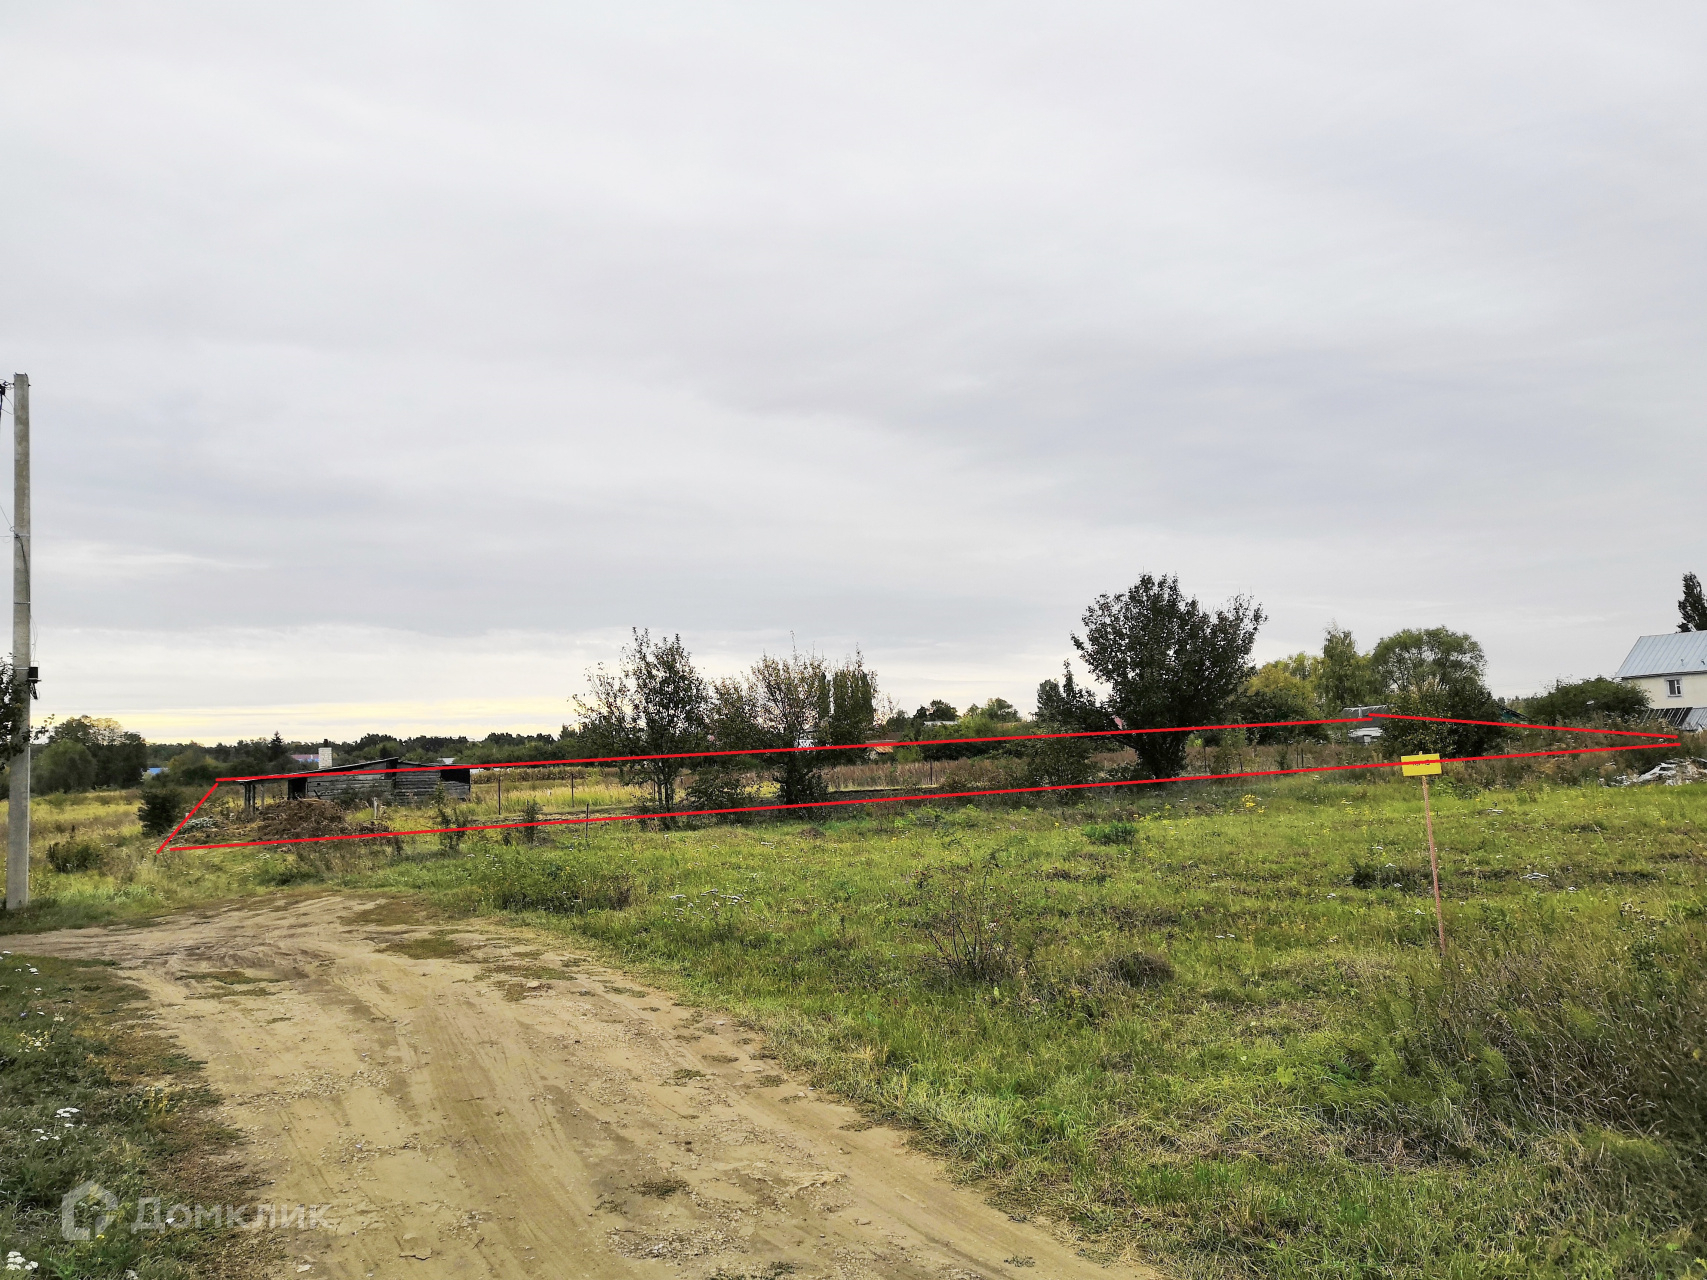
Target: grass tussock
(507, 880)
(1537, 1032)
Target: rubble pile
(1670, 773)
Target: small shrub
(530, 813)
(1139, 969)
(720, 784)
(1057, 762)
(514, 882)
(1378, 875)
(73, 855)
(160, 810)
(967, 918)
(1116, 832)
(448, 817)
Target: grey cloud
(909, 327)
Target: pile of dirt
(296, 818)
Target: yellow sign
(1420, 766)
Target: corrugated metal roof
(1672, 654)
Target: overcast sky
(389, 362)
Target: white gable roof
(1674, 654)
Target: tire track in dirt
(485, 1103)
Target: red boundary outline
(1655, 740)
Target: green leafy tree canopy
(1415, 658)
(1576, 701)
(1435, 672)
(64, 765)
(1692, 609)
(797, 700)
(1167, 661)
(655, 703)
(1285, 689)
(1344, 677)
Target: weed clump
(450, 818)
(68, 856)
(1116, 832)
(1579, 1029)
(1373, 875)
(282, 870)
(1139, 969)
(516, 882)
(966, 919)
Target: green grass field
(1202, 1026)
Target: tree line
(656, 703)
(1161, 658)
(1165, 659)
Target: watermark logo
(107, 1210)
(153, 1213)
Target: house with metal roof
(1672, 670)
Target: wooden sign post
(1425, 767)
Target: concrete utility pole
(18, 807)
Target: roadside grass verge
(87, 1095)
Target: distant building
(1363, 734)
(414, 783)
(1672, 670)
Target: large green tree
(796, 700)
(1344, 677)
(117, 757)
(1285, 689)
(654, 704)
(64, 765)
(1435, 672)
(1692, 609)
(1167, 661)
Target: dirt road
(486, 1104)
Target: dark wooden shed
(415, 784)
